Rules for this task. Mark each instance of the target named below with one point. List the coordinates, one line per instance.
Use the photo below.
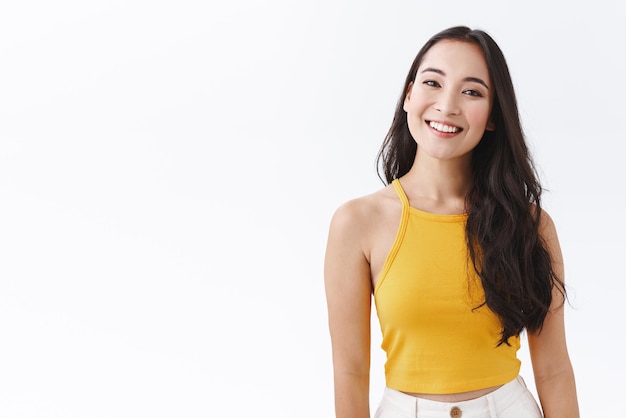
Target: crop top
(436, 338)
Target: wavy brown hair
(504, 200)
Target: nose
(447, 103)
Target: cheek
(415, 104)
(478, 116)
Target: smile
(444, 128)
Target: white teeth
(443, 128)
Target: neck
(438, 185)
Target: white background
(168, 171)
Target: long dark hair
(504, 200)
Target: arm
(348, 295)
(554, 376)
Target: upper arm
(554, 375)
(548, 346)
(348, 291)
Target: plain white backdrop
(168, 171)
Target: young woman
(456, 251)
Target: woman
(456, 251)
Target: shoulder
(549, 236)
(547, 228)
(357, 222)
(359, 213)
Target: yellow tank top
(436, 341)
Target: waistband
(498, 400)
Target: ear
(491, 126)
(407, 97)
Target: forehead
(456, 59)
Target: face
(449, 103)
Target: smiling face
(449, 103)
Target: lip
(443, 134)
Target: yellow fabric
(436, 341)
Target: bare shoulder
(548, 233)
(365, 228)
(361, 214)
(547, 228)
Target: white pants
(512, 400)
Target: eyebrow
(473, 79)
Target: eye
(474, 93)
(432, 83)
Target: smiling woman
(449, 99)
(456, 250)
